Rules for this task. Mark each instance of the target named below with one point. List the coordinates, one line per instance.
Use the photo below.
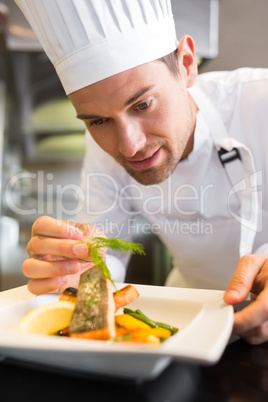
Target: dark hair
(171, 61)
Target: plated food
(97, 316)
(90, 311)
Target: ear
(187, 59)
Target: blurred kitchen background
(42, 143)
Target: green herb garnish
(115, 244)
(118, 245)
(120, 339)
(91, 301)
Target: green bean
(173, 330)
(138, 314)
(138, 317)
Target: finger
(47, 226)
(41, 245)
(34, 268)
(257, 335)
(41, 286)
(252, 316)
(73, 280)
(48, 257)
(242, 281)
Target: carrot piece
(100, 334)
(63, 332)
(121, 332)
(142, 335)
(69, 298)
(69, 294)
(122, 297)
(125, 296)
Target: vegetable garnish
(115, 244)
(153, 324)
(120, 339)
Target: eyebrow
(83, 116)
(137, 95)
(131, 100)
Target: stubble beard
(153, 175)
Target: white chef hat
(89, 40)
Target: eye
(143, 105)
(96, 123)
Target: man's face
(144, 118)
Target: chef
(185, 152)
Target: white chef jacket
(192, 211)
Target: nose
(131, 138)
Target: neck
(190, 144)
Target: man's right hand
(56, 257)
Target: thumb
(242, 281)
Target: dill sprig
(115, 244)
(119, 245)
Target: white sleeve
(262, 250)
(116, 268)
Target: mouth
(146, 163)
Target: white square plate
(204, 322)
